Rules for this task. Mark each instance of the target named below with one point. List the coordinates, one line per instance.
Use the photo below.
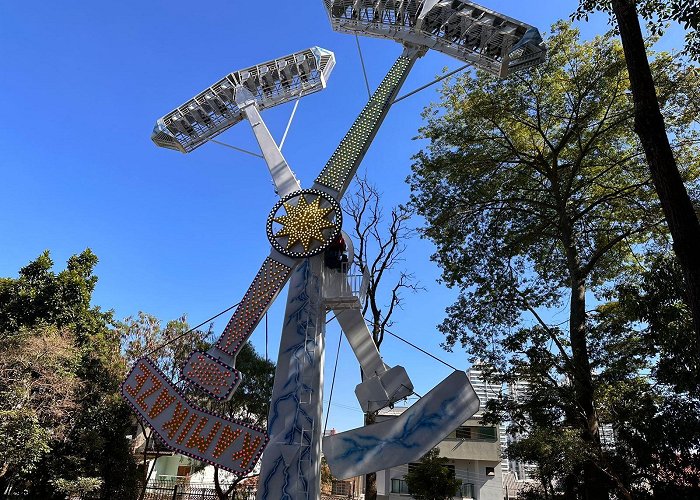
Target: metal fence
(179, 490)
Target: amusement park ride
(300, 227)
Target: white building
(523, 471)
(487, 390)
(474, 454)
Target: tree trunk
(371, 478)
(570, 483)
(651, 129)
(220, 493)
(144, 463)
(148, 476)
(4, 486)
(595, 486)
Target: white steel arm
(282, 175)
(382, 386)
(360, 339)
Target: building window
(342, 488)
(490, 471)
(183, 470)
(487, 433)
(481, 433)
(467, 490)
(464, 432)
(399, 486)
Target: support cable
(418, 348)
(240, 150)
(289, 123)
(335, 368)
(364, 70)
(421, 350)
(266, 338)
(447, 75)
(190, 330)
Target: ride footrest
(406, 438)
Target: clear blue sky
(82, 85)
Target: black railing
(177, 490)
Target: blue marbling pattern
(405, 438)
(290, 467)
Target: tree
(38, 398)
(379, 249)
(250, 403)
(170, 348)
(326, 477)
(535, 192)
(651, 127)
(71, 392)
(658, 430)
(431, 480)
(646, 384)
(657, 14)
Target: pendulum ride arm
(381, 385)
(341, 167)
(183, 426)
(214, 372)
(282, 175)
(406, 438)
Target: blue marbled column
(291, 463)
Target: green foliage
(326, 477)
(40, 295)
(431, 480)
(169, 347)
(652, 296)
(24, 442)
(658, 13)
(38, 396)
(531, 178)
(655, 412)
(78, 487)
(62, 365)
(538, 199)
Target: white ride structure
(301, 226)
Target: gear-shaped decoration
(313, 220)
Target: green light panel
(347, 157)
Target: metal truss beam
(462, 29)
(216, 109)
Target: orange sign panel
(186, 428)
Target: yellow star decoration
(304, 222)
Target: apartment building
(474, 455)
